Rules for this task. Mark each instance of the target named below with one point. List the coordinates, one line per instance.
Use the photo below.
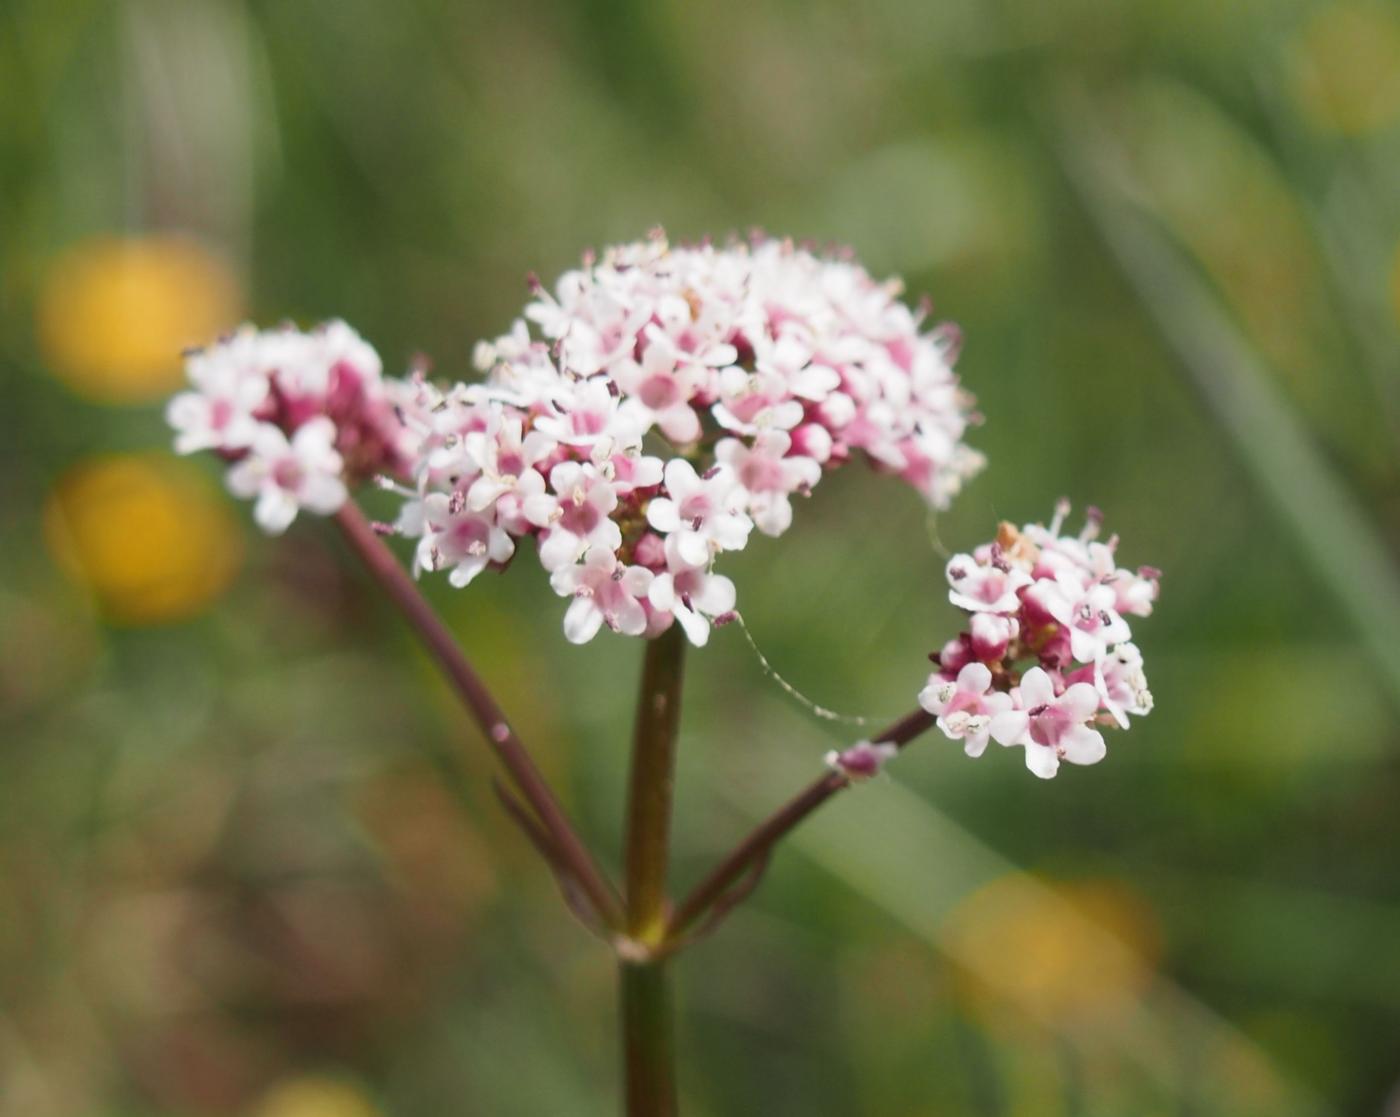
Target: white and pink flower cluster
(299, 415)
(675, 399)
(1048, 658)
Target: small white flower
(604, 592)
(285, 476)
(1051, 728)
(690, 593)
(1089, 613)
(504, 458)
(1122, 684)
(768, 477)
(661, 385)
(587, 414)
(457, 539)
(701, 513)
(230, 382)
(576, 518)
(985, 587)
(964, 707)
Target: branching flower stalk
(671, 401)
(561, 845)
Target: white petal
(663, 515)
(466, 571)
(1080, 702)
(564, 476)
(637, 580)
(582, 620)
(1036, 689)
(559, 548)
(772, 515)
(680, 424)
(322, 495)
(730, 530)
(314, 438)
(606, 535)
(1086, 646)
(539, 509)
(975, 744)
(1042, 760)
(275, 510)
(631, 618)
(697, 628)
(1010, 728)
(1083, 745)
(484, 492)
(662, 593)
(693, 548)
(245, 479)
(936, 695)
(501, 546)
(975, 678)
(564, 581)
(716, 595)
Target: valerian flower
(1051, 726)
(605, 591)
(965, 706)
(284, 475)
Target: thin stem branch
(572, 853)
(648, 840)
(761, 839)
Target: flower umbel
(675, 399)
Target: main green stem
(649, 1057)
(648, 1051)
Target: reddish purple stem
(762, 838)
(572, 853)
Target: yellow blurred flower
(148, 534)
(1079, 950)
(1347, 70)
(114, 314)
(315, 1096)
(1395, 284)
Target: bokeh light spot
(1395, 285)
(149, 535)
(1082, 950)
(1347, 75)
(114, 314)
(315, 1096)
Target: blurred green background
(249, 858)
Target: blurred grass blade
(1326, 519)
(1090, 988)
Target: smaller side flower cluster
(1048, 658)
(298, 415)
